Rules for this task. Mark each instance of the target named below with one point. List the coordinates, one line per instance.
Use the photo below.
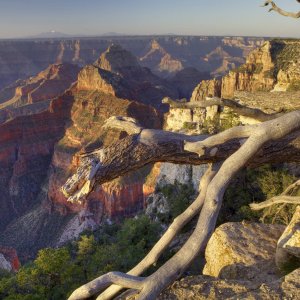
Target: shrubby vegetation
(55, 273)
(179, 197)
(256, 185)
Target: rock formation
(20, 59)
(118, 73)
(26, 148)
(243, 251)
(9, 260)
(205, 287)
(207, 88)
(33, 95)
(274, 66)
(239, 264)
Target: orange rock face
(255, 75)
(207, 88)
(26, 147)
(118, 73)
(11, 255)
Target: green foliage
(211, 125)
(55, 273)
(294, 86)
(256, 185)
(284, 53)
(189, 125)
(179, 197)
(230, 121)
(215, 125)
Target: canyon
(48, 120)
(164, 55)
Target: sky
(23, 18)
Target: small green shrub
(179, 197)
(257, 185)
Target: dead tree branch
(238, 108)
(281, 11)
(283, 198)
(179, 222)
(257, 139)
(150, 146)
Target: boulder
(243, 251)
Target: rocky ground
(240, 264)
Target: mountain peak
(116, 58)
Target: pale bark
(173, 230)
(258, 138)
(288, 246)
(280, 10)
(150, 146)
(285, 197)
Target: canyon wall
(41, 136)
(164, 55)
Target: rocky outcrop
(9, 260)
(33, 95)
(255, 75)
(205, 287)
(118, 73)
(4, 264)
(207, 88)
(243, 251)
(274, 66)
(241, 255)
(115, 59)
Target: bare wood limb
(136, 151)
(130, 125)
(281, 11)
(178, 223)
(238, 108)
(275, 200)
(104, 281)
(172, 269)
(283, 198)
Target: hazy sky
(19, 18)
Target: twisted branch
(150, 287)
(281, 11)
(238, 108)
(282, 198)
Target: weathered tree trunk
(250, 144)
